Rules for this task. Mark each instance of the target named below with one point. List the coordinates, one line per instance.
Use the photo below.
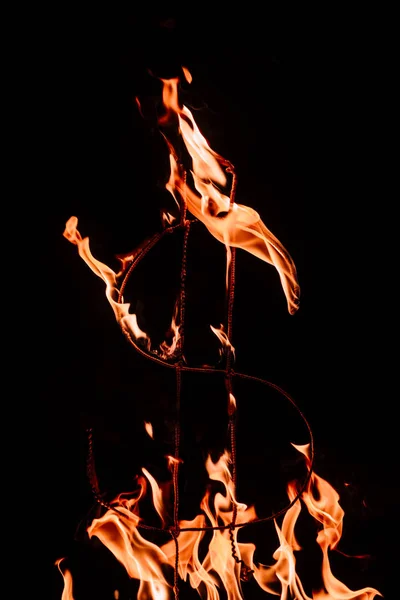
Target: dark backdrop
(289, 100)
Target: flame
(322, 502)
(220, 471)
(158, 500)
(232, 224)
(139, 106)
(187, 74)
(226, 561)
(167, 219)
(149, 428)
(219, 558)
(218, 568)
(67, 591)
(190, 566)
(141, 558)
(127, 320)
(223, 338)
(231, 404)
(147, 562)
(173, 462)
(281, 579)
(121, 310)
(171, 348)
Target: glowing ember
(205, 551)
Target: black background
(292, 102)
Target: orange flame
(187, 74)
(67, 591)
(230, 223)
(219, 558)
(281, 579)
(127, 320)
(158, 500)
(173, 462)
(170, 349)
(218, 567)
(322, 502)
(223, 338)
(190, 566)
(231, 404)
(141, 558)
(149, 428)
(167, 218)
(121, 310)
(225, 557)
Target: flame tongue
(219, 559)
(206, 162)
(230, 223)
(223, 338)
(322, 502)
(121, 310)
(170, 349)
(127, 320)
(218, 568)
(142, 559)
(67, 591)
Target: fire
(206, 551)
(169, 349)
(128, 321)
(231, 404)
(322, 502)
(173, 462)
(234, 225)
(223, 338)
(67, 591)
(167, 219)
(142, 559)
(149, 428)
(221, 567)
